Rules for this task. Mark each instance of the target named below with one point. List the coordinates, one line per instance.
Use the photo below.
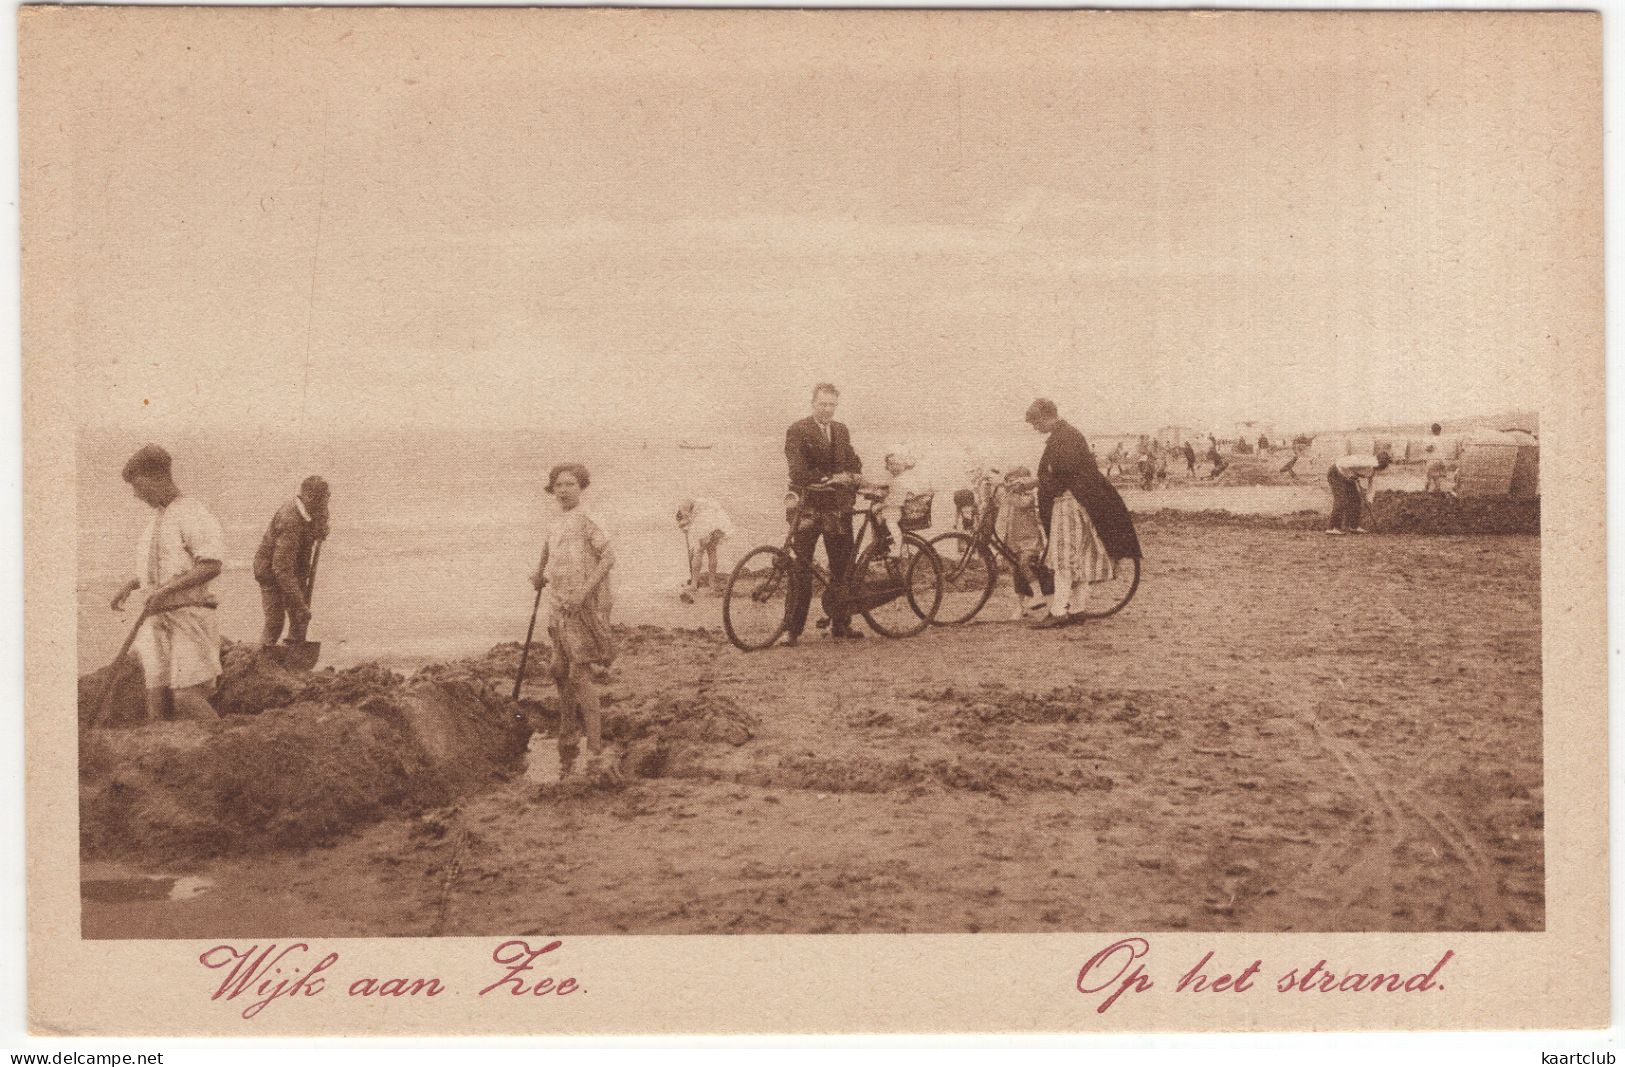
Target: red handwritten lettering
(1127, 951)
(518, 957)
(395, 987)
(265, 973)
(1197, 982)
(1317, 979)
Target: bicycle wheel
(968, 577)
(916, 579)
(754, 603)
(1111, 596)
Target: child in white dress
(900, 484)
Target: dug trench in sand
(295, 759)
(299, 759)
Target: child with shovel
(574, 572)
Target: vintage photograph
(764, 473)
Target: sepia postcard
(552, 521)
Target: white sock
(1057, 603)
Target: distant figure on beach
(1088, 524)
(179, 554)
(1190, 459)
(1147, 464)
(1351, 478)
(706, 526)
(1162, 467)
(282, 566)
(1114, 461)
(1020, 528)
(818, 449)
(1288, 467)
(1438, 467)
(1220, 465)
(1263, 445)
(577, 558)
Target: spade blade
(301, 655)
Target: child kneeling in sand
(576, 560)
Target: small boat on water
(692, 447)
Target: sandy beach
(1228, 753)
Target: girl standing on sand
(576, 560)
(1018, 527)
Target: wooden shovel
(524, 653)
(302, 655)
(113, 671)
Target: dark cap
(1042, 409)
(149, 461)
(314, 489)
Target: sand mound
(1297, 520)
(296, 760)
(126, 703)
(667, 737)
(293, 777)
(1440, 513)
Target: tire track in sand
(1405, 816)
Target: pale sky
(349, 219)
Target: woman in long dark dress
(1089, 525)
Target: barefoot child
(576, 560)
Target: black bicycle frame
(983, 533)
(846, 593)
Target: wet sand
(1283, 731)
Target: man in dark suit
(820, 449)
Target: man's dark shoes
(1050, 622)
(846, 633)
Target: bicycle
(897, 597)
(970, 570)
